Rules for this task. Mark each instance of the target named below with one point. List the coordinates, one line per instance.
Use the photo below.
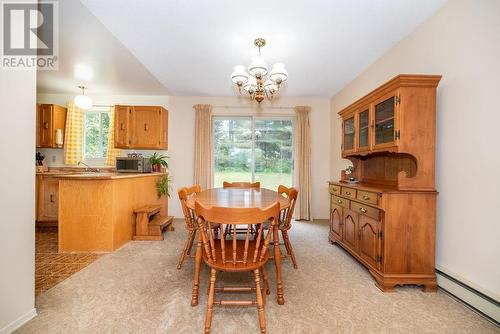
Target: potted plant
(163, 186)
(158, 161)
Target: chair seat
(239, 265)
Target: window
(95, 135)
(253, 149)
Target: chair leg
(184, 250)
(266, 280)
(210, 303)
(289, 248)
(191, 241)
(260, 303)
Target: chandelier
(257, 83)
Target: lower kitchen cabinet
(47, 195)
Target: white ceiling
(85, 42)
(191, 46)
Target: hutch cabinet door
(363, 126)
(46, 125)
(384, 123)
(350, 238)
(122, 126)
(164, 128)
(369, 241)
(147, 127)
(348, 135)
(336, 221)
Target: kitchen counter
(103, 175)
(96, 210)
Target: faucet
(88, 168)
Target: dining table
(239, 198)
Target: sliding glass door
(253, 149)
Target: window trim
(101, 161)
(253, 118)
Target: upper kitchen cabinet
(50, 118)
(392, 117)
(141, 127)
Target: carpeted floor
(138, 289)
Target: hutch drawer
(334, 189)
(348, 192)
(365, 210)
(341, 201)
(368, 197)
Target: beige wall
(17, 198)
(461, 42)
(182, 139)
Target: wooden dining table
(239, 198)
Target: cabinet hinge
(381, 235)
(397, 135)
(398, 99)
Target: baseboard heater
(477, 300)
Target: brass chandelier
(254, 83)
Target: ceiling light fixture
(83, 101)
(253, 82)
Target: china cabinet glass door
(385, 121)
(349, 134)
(363, 129)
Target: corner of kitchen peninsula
(96, 210)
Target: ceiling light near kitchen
(83, 101)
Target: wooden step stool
(149, 224)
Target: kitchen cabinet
(141, 127)
(47, 193)
(336, 221)
(50, 118)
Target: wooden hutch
(387, 220)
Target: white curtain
(203, 146)
(303, 163)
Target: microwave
(133, 165)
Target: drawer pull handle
(348, 193)
(334, 190)
(339, 201)
(366, 198)
(362, 210)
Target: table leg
(277, 263)
(197, 267)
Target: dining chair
(285, 220)
(254, 185)
(228, 254)
(190, 220)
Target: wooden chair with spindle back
(190, 219)
(254, 185)
(228, 254)
(286, 219)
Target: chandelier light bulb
(278, 74)
(258, 67)
(239, 75)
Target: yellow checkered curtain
(73, 135)
(112, 151)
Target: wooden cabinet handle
(366, 198)
(362, 210)
(334, 190)
(51, 198)
(145, 127)
(45, 125)
(348, 193)
(122, 126)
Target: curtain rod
(251, 107)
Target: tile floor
(52, 267)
